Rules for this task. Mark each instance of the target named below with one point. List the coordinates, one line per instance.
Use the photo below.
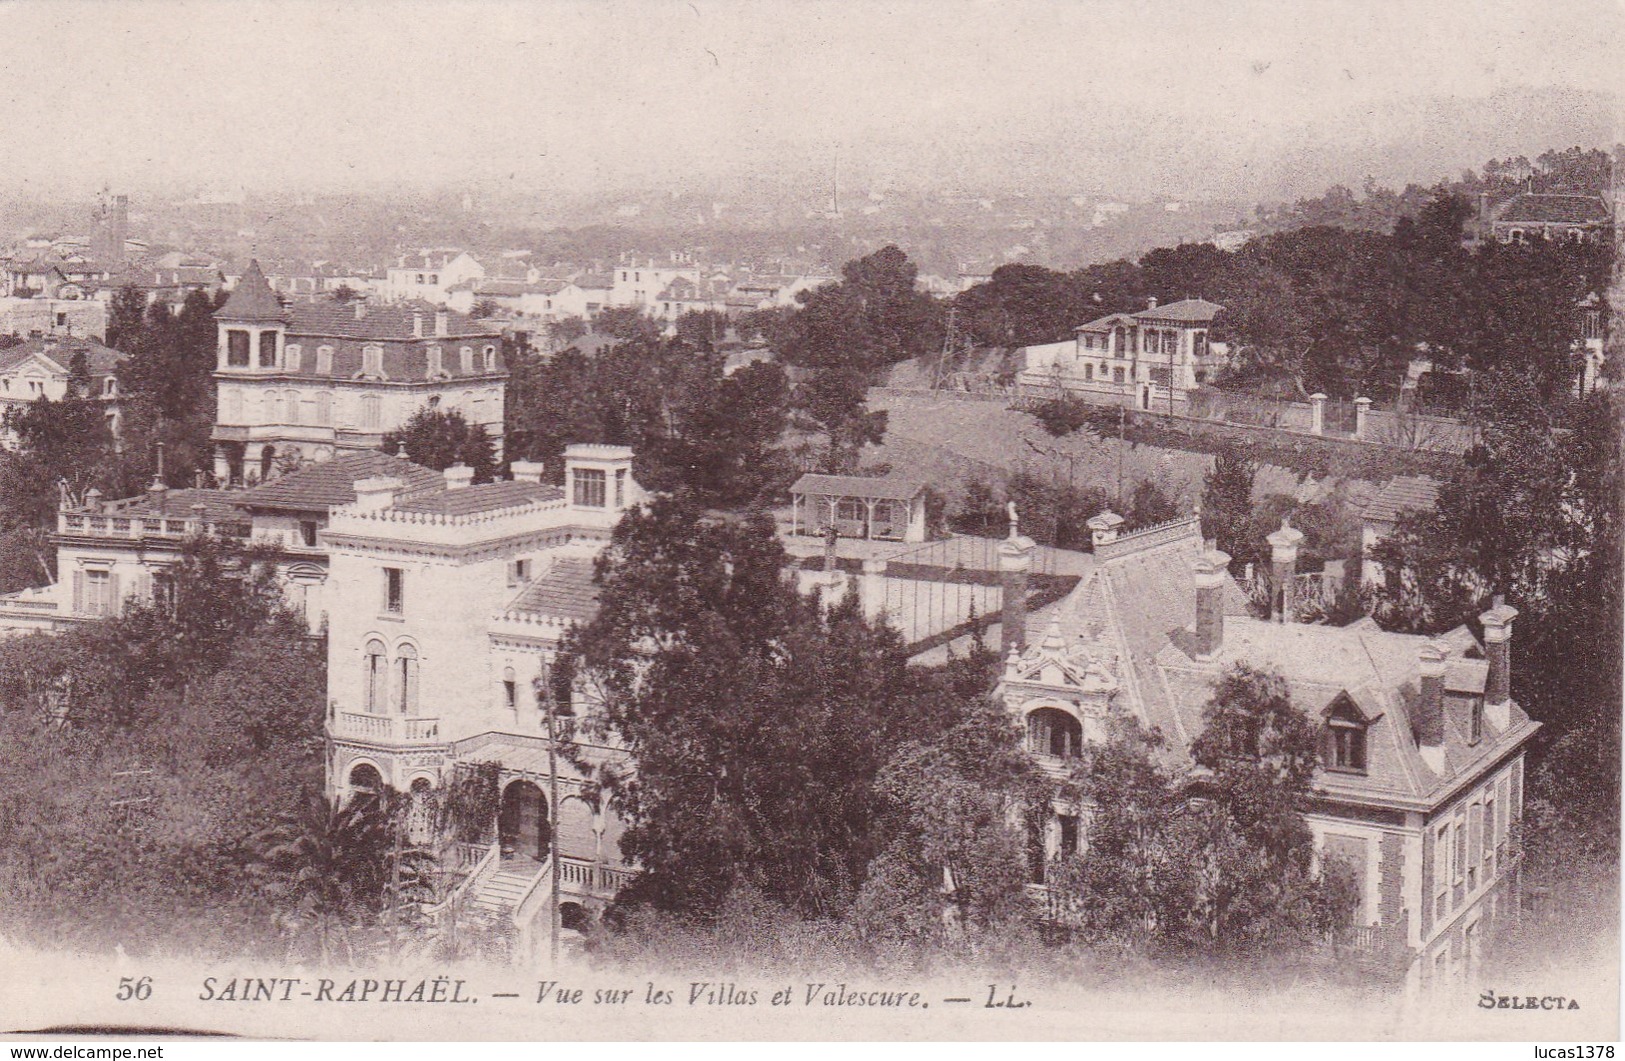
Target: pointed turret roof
(252, 299)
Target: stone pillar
(1015, 561)
(873, 589)
(1362, 406)
(1317, 413)
(1284, 570)
(1103, 528)
(1210, 569)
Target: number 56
(129, 987)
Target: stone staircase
(496, 896)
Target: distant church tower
(111, 229)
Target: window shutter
(411, 686)
(115, 603)
(78, 592)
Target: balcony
(140, 527)
(581, 875)
(385, 729)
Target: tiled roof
(218, 505)
(317, 487)
(1404, 493)
(593, 281)
(1185, 311)
(858, 486)
(101, 360)
(252, 299)
(1546, 208)
(1107, 323)
(316, 324)
(564, 591)
(488, 497)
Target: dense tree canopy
(440, 438)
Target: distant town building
(311, 380)
(35, 317)
(1401, 494)
(1544, 215)
(430, 276)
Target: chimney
(1284, 564)
(1428, 718)
(1210, 570)
(442, 323)
(417, 323)
(1498, 651)
(157, 495)
(1103, 528)
(526, 471)
(459, 477)
(93, 500)
(1015, 560)
(376, 493)
(1151, 303)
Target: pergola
(858, 506)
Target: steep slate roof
(564, 591)
(252, 299)
(858, 486)
(1549, 208)
(488, 497)
(1403, 493)
(1138, 610)
(318, 487)
(405, 358)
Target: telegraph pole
(552, 817)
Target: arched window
(373, 677)
(294, 354)
(1051, 731)
(372, 361)
(510, 690)
(466, 357)
(371, 409)
(365, 779)
(406, 680)
(490, 359)
(324, 408)
(324, 360)
(437, 364)
(420, 813)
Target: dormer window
(1345, 737)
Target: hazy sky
(333, 93)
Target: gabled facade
(43, 368)
(311, 380)
(1420, 789)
